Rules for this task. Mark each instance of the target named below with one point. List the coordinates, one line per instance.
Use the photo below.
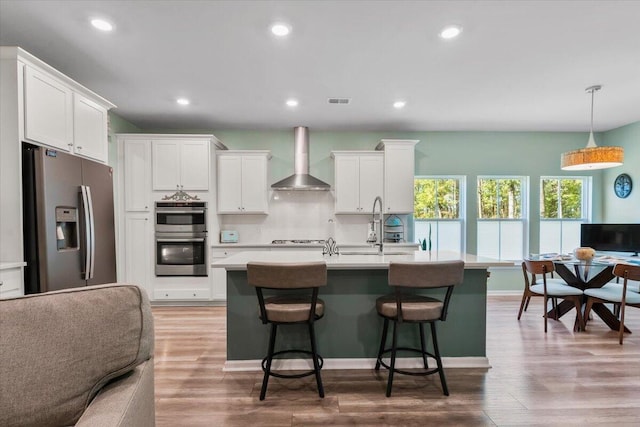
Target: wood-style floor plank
(559, 378)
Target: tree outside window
(561, 198)
(499, 198)
(436, 198)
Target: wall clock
(622, 185)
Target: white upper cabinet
(90, 129)
(137, 174)
(181, 164)
(399, 170)
(59, 112)
(242, 182)
(48, 110)
(358, 180)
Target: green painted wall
(532, 154)
(623, 210)
(117, 125)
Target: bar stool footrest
(423, 372)
(299, 375)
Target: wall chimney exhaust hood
(301, 180)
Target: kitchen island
(348, 335)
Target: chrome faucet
(377, 200)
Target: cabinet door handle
(1, 282)
(79, 147)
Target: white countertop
(305, 245)
(353, 262)
(7, 265)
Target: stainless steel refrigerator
(68, 221)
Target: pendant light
(592, 156)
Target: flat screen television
(611, 237)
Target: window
(564, 205)
(439, 211)
(502, 215)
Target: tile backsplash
(298, 215)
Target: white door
(229, 184)
(137, 175)
(166, 164)
(194, 165)
(90, 129)
(254, 184)
(138, 251)
(371, 180)
(48, 110)
(347, 184)
(398, 176)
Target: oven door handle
(198, 239)
(196, 211)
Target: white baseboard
(506, 293)
(359, 363)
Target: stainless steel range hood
(301, 180)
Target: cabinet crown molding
(19, 54)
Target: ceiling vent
(339, 100)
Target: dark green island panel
(351, 327)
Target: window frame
(586, 208)
(462, 209)
(524, 213)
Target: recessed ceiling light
(101, 24)
(183, 101)
(450, 32)
(280, 29)
(292, 102)
(399, 104)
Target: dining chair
(548, 287)
(615, 293)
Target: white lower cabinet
(182, 294)
(219, 275)
(11, 282)
(139, 248)
(182, 288)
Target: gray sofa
(82, 356)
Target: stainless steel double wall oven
(181, 238)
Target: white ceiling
(519, 65)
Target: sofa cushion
(58, 349)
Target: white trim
(354, 363)
(504, 292)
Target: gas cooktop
(297, 241)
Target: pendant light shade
(592, 156)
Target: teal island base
(349, 333)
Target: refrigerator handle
(87, 232)
(93, 234)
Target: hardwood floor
(561, 378)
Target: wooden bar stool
(289, 309)
(405, 307)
